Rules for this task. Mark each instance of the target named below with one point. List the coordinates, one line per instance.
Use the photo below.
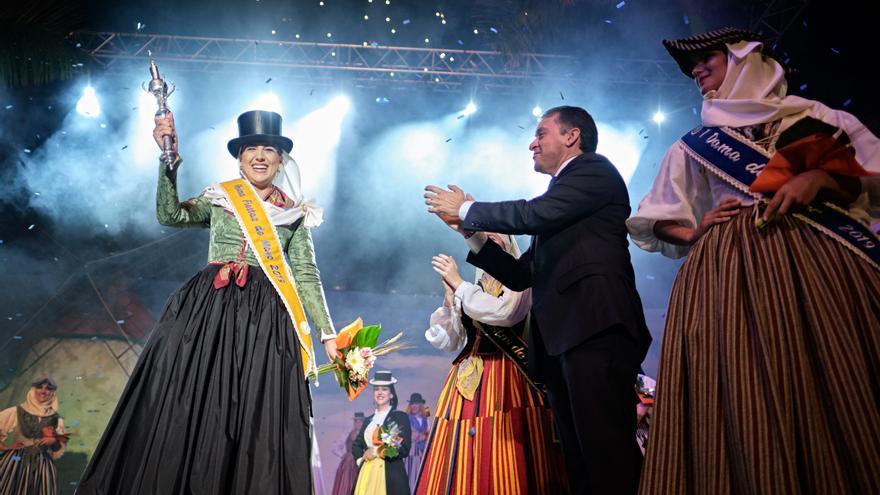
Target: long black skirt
(216, 404)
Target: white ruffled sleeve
(506, 310)
(446, 332)
(681, 193)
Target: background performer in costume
(420, 424)
(773, 330)
(346, 472)
(382, 470)
(27, 465)
(218, 401)
(492, 432)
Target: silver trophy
(159, 89)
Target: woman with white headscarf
(772, 337)
(27, 465)
(492, 431)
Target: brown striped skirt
(770, 371)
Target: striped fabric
(770, 373)
(28, 470)
(499, 443)
(681, 49)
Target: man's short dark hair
(571, 117)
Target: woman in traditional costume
(27, 465)
(492, 430)
(218, 401)
(346, 472)
(383, 443)
(420, 424)
(772, 335)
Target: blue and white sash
(738, 162)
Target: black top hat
(682, 49)
(383, 378)
(259, 127)
(416, 398)
(359, 415)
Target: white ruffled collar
(311, 213)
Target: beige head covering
(753, 91)
(490, 285)
(33, 406)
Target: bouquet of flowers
(388, 440)
(356, 354)
(645, 389)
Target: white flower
(355, 362)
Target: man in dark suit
(587, 333)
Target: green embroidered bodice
(227, 243)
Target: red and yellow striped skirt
(501, 442)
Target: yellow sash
(263, 241)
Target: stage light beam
(88, 104)
(536, 111)
(470, 108)
(267, 101)
(659, 117)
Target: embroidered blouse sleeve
(301, 254)
(8, 420)
(194, 212)
(506, 310)
(680, 193)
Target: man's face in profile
(548, 147)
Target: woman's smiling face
(709, 70)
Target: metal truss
(776, 16)
(333, 64)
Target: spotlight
(536, 111)
(267, 101)
(88, 103)
(470, 108)
(340, 104)
(659, 117)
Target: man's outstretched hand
(445, 204)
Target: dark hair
(571, 117)
(393, 401)
(393, 397)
